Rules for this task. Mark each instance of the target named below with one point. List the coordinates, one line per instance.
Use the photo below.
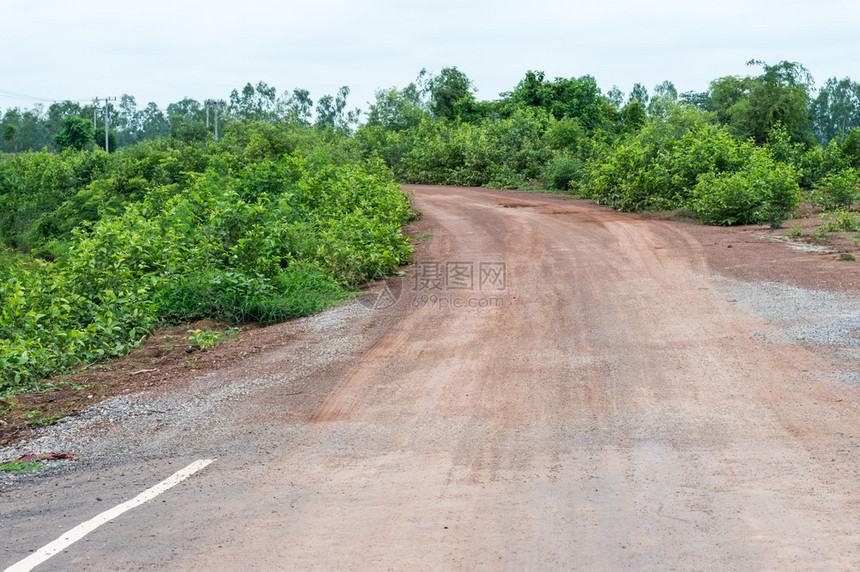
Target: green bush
(278, 240)
(839, 220)
(562, 171)
(703, 168)
(657, 168)
(762, 191)
(840, 189)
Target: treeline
(740, 152)
(293, 206)
(71, 124)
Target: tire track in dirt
(615, 414)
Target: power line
(35, 99)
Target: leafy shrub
(839, 220)
(840, 189)
(763, 191)
(563, 170)
(280, 239)
(656, 169)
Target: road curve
(558, 386)
(614, 412)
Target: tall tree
(836, 110)
(701, 100)
(752, 106)
(152, 122)
(127, 126)
(188, 110)
(10, 133)
(10, 122)
(639, 93)
(254, 103)
(665, 97)
(57, 112)
(330, 111)
(574, 98)
(295, 107)
(396, 110)
(76, 133)
(449, 93)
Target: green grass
(21, 466)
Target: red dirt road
(601, 404)
(616, 413)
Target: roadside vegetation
(103, 248)
(293, 204)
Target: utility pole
(107, 101)
(217, 104)
(214, 103)
(107, 107)
(209, 103)
(216, 121)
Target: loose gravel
(207, 415)
(802, 316)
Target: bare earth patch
(169, 358)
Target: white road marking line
(87, 527)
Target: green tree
(836, 110)
(188, 131)
(396, 110)
(127, 124)
(9, 133)
(254, 103)
(633, 116)
(187, 110)
(575, 98)
(665, 97)
(450, 93)
(615, 96)
(330, 111)
(58, 112)
(33, 133)
(152, 122)
(752, 106)
(639, 93)
(76, 133)
(295, 107)
(701, 100)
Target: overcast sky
(164, 50)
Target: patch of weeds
(795, 231)
(424, 236)
(840, 220)
(208, 339)
(21, 466)
(54, 385)
(7, 405)
(847, 257)
(43, 421)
